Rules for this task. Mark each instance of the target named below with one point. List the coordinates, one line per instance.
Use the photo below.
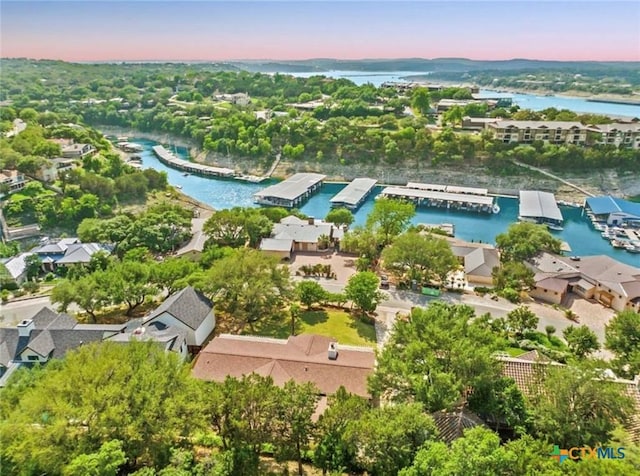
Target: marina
(290, 192)
(578, 231)
(540, 207)
(168, 158)
(444, 196)
(354, 194)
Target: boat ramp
(444, 196)
(290, 192)
(354, 194)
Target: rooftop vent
(333, 351)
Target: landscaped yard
(327, 322)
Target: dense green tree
(310, 292)
(127, 282)
(171, 273)
(419, 257)
(420, 100)
(521, 320)
(362, 290)
(388, 438)
(574, 406)
(622, 337)
(340, 216)
(436, 357)
(511, 278)
(294, 426)
(581, 340)
(333, 451)
(253, 285)
(136, 394)
(362, 242)
(389, 218)
(237, 227)
(524, 240)
(33, 264)
(105, 462)
(87, 292)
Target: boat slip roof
(609, 204)
(293, 187)
(448, 188)
(167, 156)
(539, 205)
(405, 192)
(353, 193)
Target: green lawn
(327, 322)
(514, 351)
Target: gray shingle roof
(187, 306)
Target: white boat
(554, 227)
(599, 227)
(495, 209)
(179, 187)
(618, 244)
(632, 249)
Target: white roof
(539, 205)
(293, 187)
(16, 265)
(353, 193)
(451, 197)
(276, 244)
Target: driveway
(12, 313)
(342, 265)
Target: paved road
(13, 312)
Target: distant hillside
(453, 65)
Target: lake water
(525, 101)
(219, 194)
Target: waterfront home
(619, 134)
(553, 132)
(295, 234)
(478, 259)
(612, 210)
(50, 171)
(611, 283)
(188, 310)
(306, 358)
(77, 151)
(12, 180)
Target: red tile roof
(302, 358)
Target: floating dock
(539, 207)
(167, 158)
(444, 196)
(290, 192)
(354, 194)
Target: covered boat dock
(354, 194)
(539, 207)
(167, 158)
(439, 196)
(290, 192)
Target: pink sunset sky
(213, 30)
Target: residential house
(525, 132)
(51, 171)
(452, 424)
(240, 99)
(525, 372)
(619, 134)
(477, 123)
(194, 248)
(77, 151)
(613, 284)
(50, 335)
(295, 234)
(12, 179)
(478, 259)
(188, 310)
(68, 252)
(14, 269)
(612, 210)
(305, 358)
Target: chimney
(333, 351)
(25, 327)
(311, 221)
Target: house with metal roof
(188, 310)
(613, 210)
(14, 269)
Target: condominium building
(525, 132)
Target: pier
(171, 160)
(354, 194)
(290, 192)
(444, 196)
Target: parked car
(384, 282)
